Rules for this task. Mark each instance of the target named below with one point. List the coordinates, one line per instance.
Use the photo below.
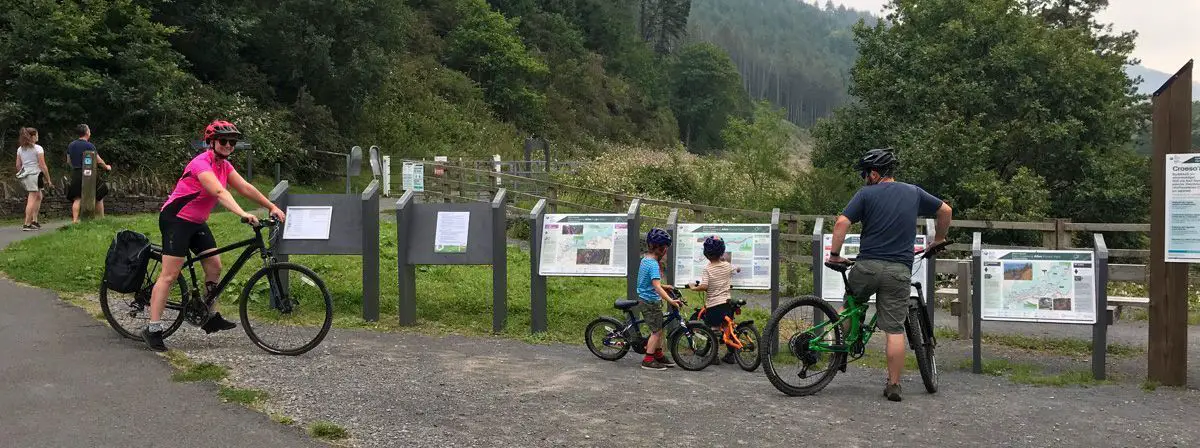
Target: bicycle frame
(252, 245)
(858, 334)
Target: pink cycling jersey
(189, 201)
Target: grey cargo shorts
(890, 282)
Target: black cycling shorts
(181, 235)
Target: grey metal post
(632, 219)
(774, 259)
(279, 196)
(930, 292)
(673, 229)
(976, 302)
(537, 282)
(347, 173)
(277, 173)
(499, 262)
(1100, 328)
(250, 165)
(370, 252)
(818, 265)
(406, 273)
(818, 251)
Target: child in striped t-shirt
(716, 281)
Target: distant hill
(1153, 79)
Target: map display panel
(584, 245)
(1038, 286)
(747, 246)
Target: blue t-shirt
(647, 273)
(76, 149)
(888, 211)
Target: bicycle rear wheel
(784, 349)
(922, 347)
(748, 357)
(128, 313)
(286, 309)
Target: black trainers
(664, 360)
(653, 364)
(37, 225)
(892, 392)
(217, 323)
(154, 340)
(28, 228)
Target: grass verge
(327, 430)
(450, 299)
(188, 371)
(249, 397)
(1073, 347)
(1024, 373)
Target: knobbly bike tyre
(743, 330)
(769, 346)
(592, 344)
(922, 347)
(699, 330)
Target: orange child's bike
(741, 337)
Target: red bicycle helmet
(221, 128)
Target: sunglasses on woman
(227, 141)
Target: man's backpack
(125, 264)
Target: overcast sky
(1165, 40)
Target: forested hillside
(417, 77)
(795, 54)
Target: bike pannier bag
(125, 264)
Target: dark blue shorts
(715, 316)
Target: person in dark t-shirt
(888, 211)
(75, 152)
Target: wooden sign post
(87, 199)
(1168, 282)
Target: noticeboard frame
(773, 285)
(539, 321)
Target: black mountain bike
(693, 345)
(816, 345)
(284, 299)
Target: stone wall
(56, 206)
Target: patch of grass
(188, 371)
(945, 333)
(327, 430)
(1024, 373)
(1150, 385)
(1143, 314)
(283, 419)
(248, 397)
(1057, 346)
(204, 371)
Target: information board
(1038, 286)
(832, 287)
(413, 176)
(1182, 237)
(747, 246)
(584, 245)
(450, 236)
(307, 222)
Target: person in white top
(31, 168)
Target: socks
(155, 326)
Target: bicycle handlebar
(269, 222)
(920, 254)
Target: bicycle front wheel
(286, 309)
(786, 352)
(923, 348)
(748, 357)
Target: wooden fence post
(1050, 237)
(1062, 237)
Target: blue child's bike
(693, 345)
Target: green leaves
(986, 95)
(706, 90)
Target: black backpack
(125, 264)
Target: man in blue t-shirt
(75, 152)
(883, 267)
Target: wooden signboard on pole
(87, 194)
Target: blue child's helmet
(714, 246)
(658, 237)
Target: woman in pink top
(183, 222)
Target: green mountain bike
(809, 340)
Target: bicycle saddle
(625, 304)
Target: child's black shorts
(715, 316)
